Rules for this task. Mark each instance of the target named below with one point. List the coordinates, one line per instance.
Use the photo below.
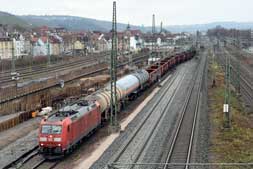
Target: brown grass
(228, 145)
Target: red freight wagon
(164, 66)
(187, 55)
(183, 57)
(177, 59)
(172, 62)
(180, 58)
(153, 73)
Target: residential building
(68, 43)
(6, 48)
(56, 45)
(28, 47)
(19, 46)
(40, 46)
(102, 44)
(79, 48)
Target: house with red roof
(47, 45)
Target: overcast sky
(138, 12)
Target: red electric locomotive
(63, 130)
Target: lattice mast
(161, 27)
(153, 38)
(113, 70)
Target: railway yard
(169, 112)
(86, 87)
(168, 126)
(244, 77)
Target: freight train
(63, 130)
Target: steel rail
(45, 164)
(158, 122)
(137, 60)
(23, 158)
(182, 118)
(51, 70)
(247, 87)
(123, 148)
(28, 68)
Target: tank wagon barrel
(125, 86)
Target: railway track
(45, 66)
(47, 71)
(44, 164)
(134, 146)
(238, 54)
(35, 72)
(36, 161)
(135, 60)
(180, 151)
(19, 162)
(32, 160)
(246, 87)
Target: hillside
(204, 27)
(75, 23)
(72, 22)
(9, 19)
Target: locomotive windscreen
(51, 129)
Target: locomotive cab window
(51, 129)
(68, 128)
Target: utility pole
(197, 38)
(161, 27)
(122, 44)
(2, 56)
(13, 60)
(226, 107)
(152, 39)
(48, 52)
(14, 74)
(238, 76)
(113, 73)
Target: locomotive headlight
(57, 139)
(43, 139)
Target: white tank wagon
(132, 82)
(125, 86)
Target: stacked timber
(12, 120)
